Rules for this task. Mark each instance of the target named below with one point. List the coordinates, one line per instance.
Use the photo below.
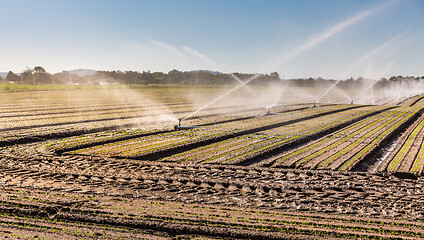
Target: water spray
(363, 92)
(179, 127)
(328, 90)
(220, 97)
(268, 109)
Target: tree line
(38, 75)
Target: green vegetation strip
(325, 149)
(324, 163)
(375, 141)
(266, 138)
(296, 135)
(405, 148)
(205, 138)
(419, 159)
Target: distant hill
(3, 74)
(83, 72)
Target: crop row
(135, 148)
(411, 101)
(72, 112)
(117, 110)
(114, 136)
(33, 108)
(298, 157)
(347, 146)
(61, 130)
(379, 139)
(409, 153)
(240, 149)
(148, 113)
(58, 119)
(107, 216)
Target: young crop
(419, 160)
(331, 141)
(375, 141)
(136, 148)
(405, 148)
(249, 145)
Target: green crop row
(405, 148)
(375, 141)
(324, 140)
(264, 139)
(361, 139)
(372, 122)
(299, 134)
(204, 133)
(419, 159)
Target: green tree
(39, 69)
(275, 75)
(38, 75)
(41, 76)
(27, 76)
(12, 77)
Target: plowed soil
(90, 197)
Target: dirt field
(97, 164)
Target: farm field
(115, 164)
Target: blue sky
(330, 39)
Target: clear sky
(329, 39)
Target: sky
(298, 39)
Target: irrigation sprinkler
(179, 127)
(268, 109)
(268, 112)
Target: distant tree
(174, 77)
(26, 76)
(39, 69)
(12, 77)
(38, 75)
(275, 75)
(147, 77)
(41, 76)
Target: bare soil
(77, 196)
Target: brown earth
(90, 197)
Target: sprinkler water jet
(220, 97)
